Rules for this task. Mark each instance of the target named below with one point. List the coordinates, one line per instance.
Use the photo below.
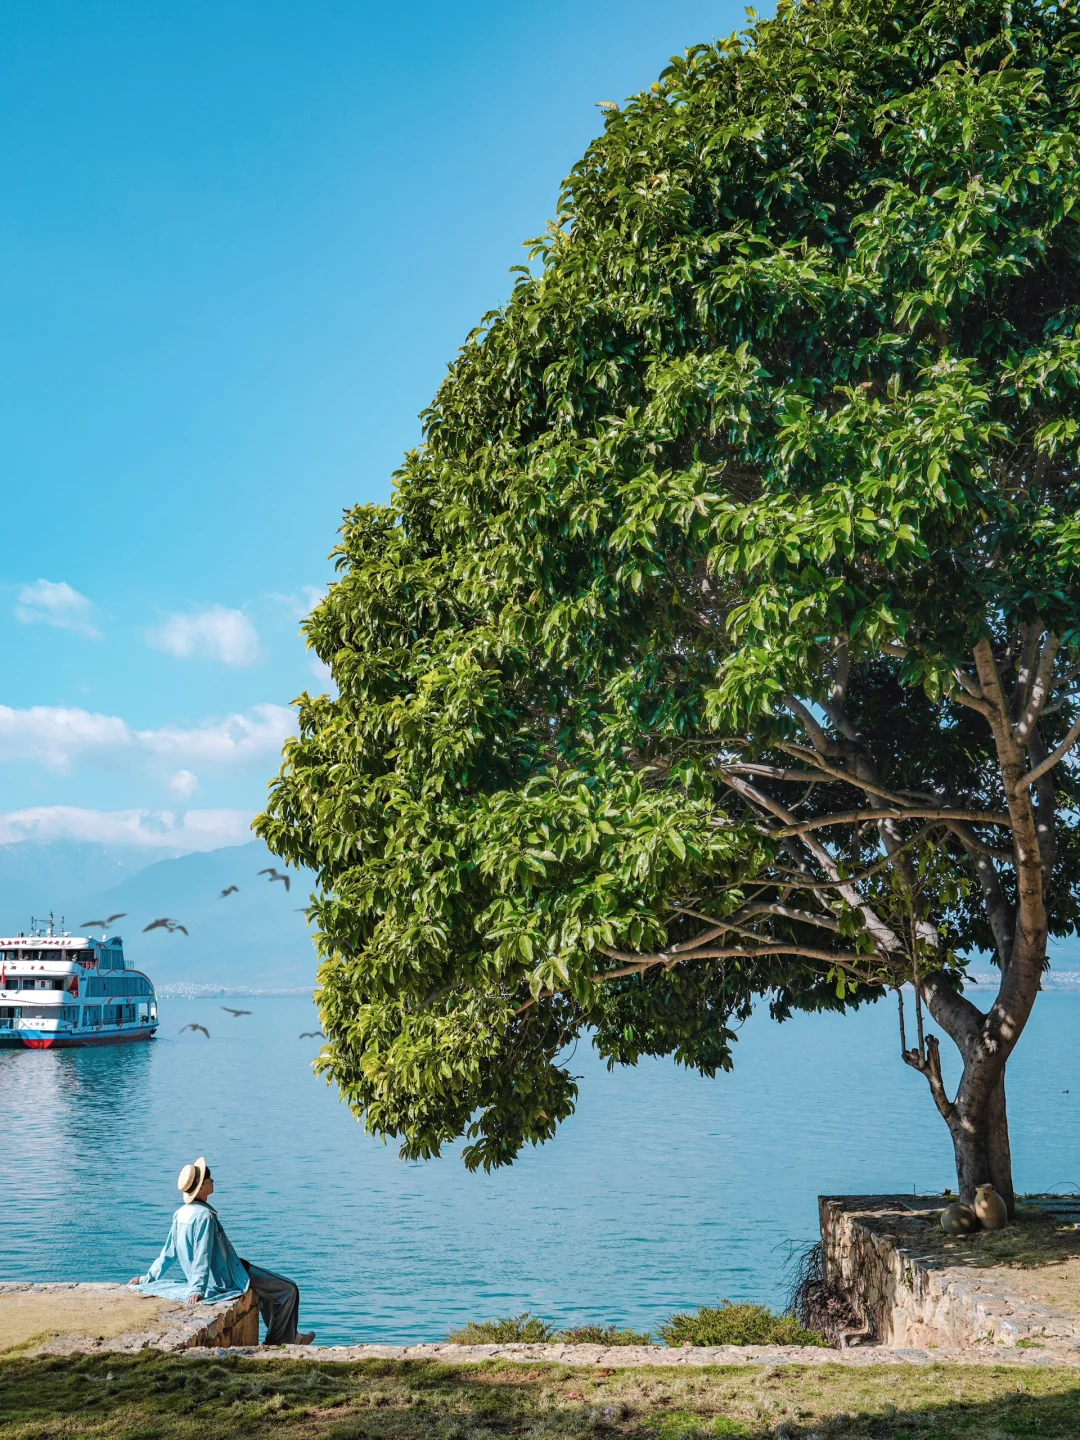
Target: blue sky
(239, 244)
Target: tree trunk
(998, 1153)
(972, 1164)
(980, 1134)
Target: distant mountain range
(256, 937)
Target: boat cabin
(63, 989)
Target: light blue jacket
(211, 1266)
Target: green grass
(157, 1397)
(737, 1325)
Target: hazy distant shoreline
(212, 992)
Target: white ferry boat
(58, 989)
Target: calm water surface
(664, 1190)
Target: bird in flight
(234, 1013)
(277, 875)
(229, 890)
(203, 1028)
(312, 1035)
(164, 923)
(102, 924)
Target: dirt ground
(1056, 1285)
(33, 1316)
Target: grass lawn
(156, 1397)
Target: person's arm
(202, 1242)
(168, 1252)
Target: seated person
(212, 1269)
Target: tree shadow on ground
(157, 1397)
(1033, 1240)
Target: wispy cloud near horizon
(57, 736)
(140, 829)
(56, 603)
(212, 633)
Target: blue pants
(279, 1304)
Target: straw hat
(190, 1179)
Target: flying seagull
(234, 1013)
(203, 1028)
(276, 875)
(102, 924)
(312, 1035)
(164, 923)
(229, 890)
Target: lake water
(665, 1190)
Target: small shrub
(737, 1325)
(520, 1329)
(602, 1335)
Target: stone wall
(62, 1318)
(874, 1249)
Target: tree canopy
(718, 641)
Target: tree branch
(930, 1066)
(747, 912)
(971, 841)
(797, 883)
(638, 964)
(857, 817)
(1040, 689)
(843, 670)
(772, 772)
(1056, 756)
(855, 781)
(1029, 652)
(821, 741)
(967, 683)
(884, 936)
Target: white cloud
(321, 671)
(145, 829)
(55, 736)
(54, 602)
(214, 633)
(184, 783)
(303, 602)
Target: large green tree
(719, 643)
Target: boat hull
(50, 1040)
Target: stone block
(69, 1318)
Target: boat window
(91, 1015)
(70, 1013)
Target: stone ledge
(620, 1357)
(871, 1250)
(93, 1318)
